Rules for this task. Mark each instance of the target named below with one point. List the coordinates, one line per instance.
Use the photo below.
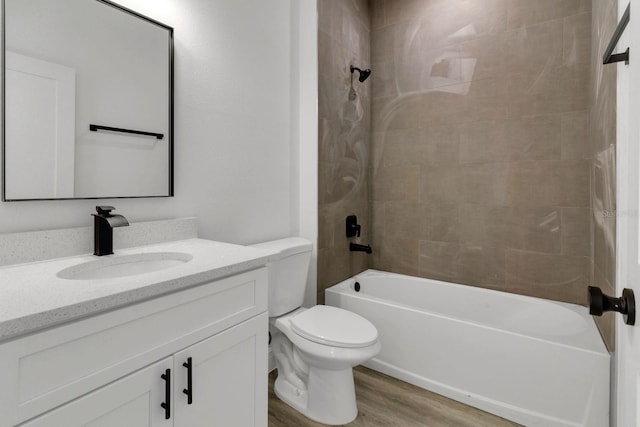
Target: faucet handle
(104, 210)
(353, 228)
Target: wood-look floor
(384, 401)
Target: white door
(40, 128)
(229, 379)
(627, 396)
(133, 401)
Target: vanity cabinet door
(132, 401)
(229, 378)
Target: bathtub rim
(595, 344)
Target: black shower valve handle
(352, 226)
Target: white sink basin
(113, 266)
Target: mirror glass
(88, 113)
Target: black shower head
(364, 74)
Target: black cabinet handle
(166, 405)
(189, 390)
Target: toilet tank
(287, 273)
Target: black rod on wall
(609, 56)
(95, 128)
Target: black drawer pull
(166, 405)
(189, 390)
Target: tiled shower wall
(483, 166)
(603, 153)
(344, 137)
(480, 170)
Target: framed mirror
(87, 101)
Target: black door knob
(625, 305)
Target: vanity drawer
(47, 369)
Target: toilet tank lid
(286, 247)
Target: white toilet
(316, 348)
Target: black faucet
(103, 224)
(354, 247)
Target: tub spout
(354, 247)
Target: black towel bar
(95, 128)
(609, 56)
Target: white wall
(236, 89)
(304, 171)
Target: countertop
(32, 297)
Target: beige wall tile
(552, 276)
(404, 147)
(486, 100)
(553, 90)
(482, 266)
(441, 146)
(535, 229)
(604, 249)
(439, 260)
(441, 222)
(326, 236)
(535, 48)
(575, 135)
(383, 41)
(383, 81)
(485, 141)
(576, 240)
(486, 56)
(440, 185)
(461, 263)
(549, 183)
(576, 47)
(405, 220)
(344, 138)
(397, 255)
(436, 22)
(526, 12)
(377, 12)
(536, 138)
(526, 138)
(575, 179)
(397, 113)
(403, 10)
(399, 183)
(378, 218)
(485, 183)
(484, 225)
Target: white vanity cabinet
(229, 383)
(108, 369)
(130, 401)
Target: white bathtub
(533, 361)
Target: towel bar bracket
(609, 56)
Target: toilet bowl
(315, 349)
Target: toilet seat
(334, 326)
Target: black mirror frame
(171, 114)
